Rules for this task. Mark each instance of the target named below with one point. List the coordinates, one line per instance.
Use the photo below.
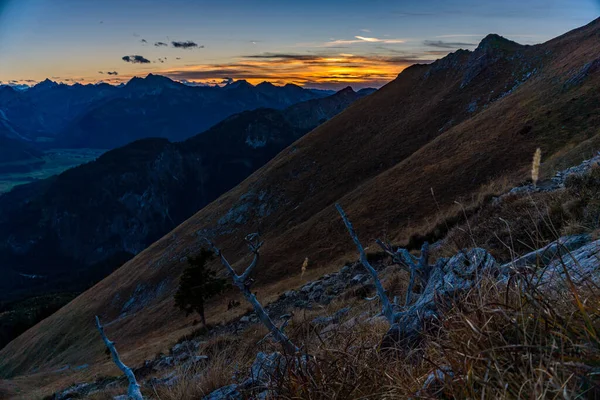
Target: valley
(50, 162)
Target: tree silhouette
(198, 284)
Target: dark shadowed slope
(70, 230)
(453, 126)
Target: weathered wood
(242, 282)
(133, 392)
(387, 306)
(448, 279)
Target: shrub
(198, 284)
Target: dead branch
(133, 392)
(243, 283)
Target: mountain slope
(159, 107)
(452, 126)
(73, 229)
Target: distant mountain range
(66, 232)
(105, 116)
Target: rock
(78, 390)
(229, 392)
(548, 253)
(434, 383)
(245, 319)
(301, 304)
(290, 294)
(168, 380)
(266, 368)
(345, 270)
(163, 363)
(340, 313)
(121, 397)
(448, 279)
(194, 361)
(581, 264)
(316, 294)
(311, 287)
(333, 319)
(359, 278)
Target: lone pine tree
(198, 284)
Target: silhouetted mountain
(106, 116)
(159, 107)
(73, 229)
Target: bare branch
(241, 282)
(387, 307)
(133, 392)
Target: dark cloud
(178, 58)
(299, 57)
(447, 45)
(135, 59)
(144, 41)
(186, 45)
(161, 60)
(160, 44)
(112, 73)
(100, 72)
(227, 81)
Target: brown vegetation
(381, 158)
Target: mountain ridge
(449, 128)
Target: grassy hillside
(460, 128)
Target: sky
(313, 43)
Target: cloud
(144, 41)
(359, 39)
(284, 56)
(227, 81)
(160, 44)
(112, 73)
(178, 58)
(135, 59)
(186, 45)
(366, 30)
(332, 70)
(376, 40)
(440, 44)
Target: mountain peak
(495, 41)
(346, 90)
(153, 81)
(242, 83)
(46, 84)
(265, 84)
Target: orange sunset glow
(297, 69)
